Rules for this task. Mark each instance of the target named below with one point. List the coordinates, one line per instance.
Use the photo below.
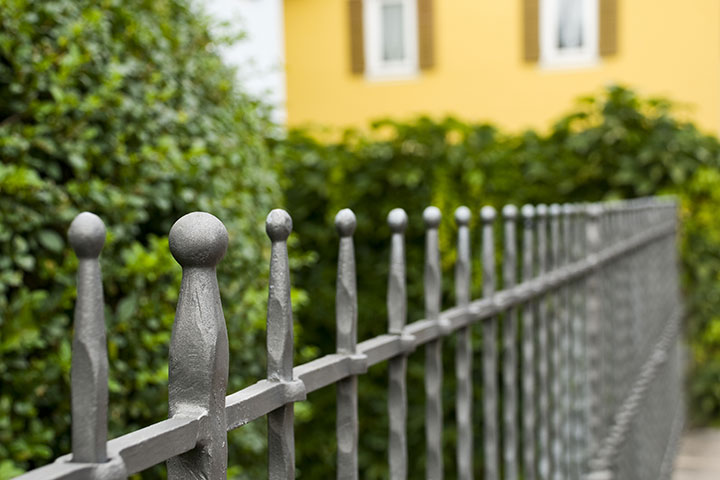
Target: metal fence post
(543, 352)
(89, 372)
(433, 349)
(556, 352)
(509, 336)
(463, 351)
(281, 433)
(528, 349)
(397, 316)
(491, 438)
(198, 365)
(593, 312)
(346, 323)
(568, 212)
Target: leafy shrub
(119, 107)
(616, 145)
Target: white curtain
(393, 45)
(570, 24)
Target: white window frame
(553, 57)
(375, 66)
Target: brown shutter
(531, 30)
(608, 27)
(357, 48)
(426, 34)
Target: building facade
(516, 63)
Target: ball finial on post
(488, 213)
(198, 239)
(87, 235)
(397, 220)
(510, 212)
(278, 225)
(462, 215)
(432, 217)
(345, 222)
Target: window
(390, 38)
(568, 32)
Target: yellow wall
(666, 47)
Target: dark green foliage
(122, 108)
(614, 146)
(119, 107)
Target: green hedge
(119, 107)
(614, 145)
(122, 108)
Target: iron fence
(580, 351)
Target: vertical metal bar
(543, 353)
(433, 349)
(509, 335)
(528, 349)
(346, 324)
(89, 372)
(463, 351)
(281, 434)
(557, 374)
(198, 364)
(491, 438)
(397, 316)
(593, 312)
(578, 351)
(566, 332)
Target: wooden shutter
(426, 34)
(357, 48)
(531, 30)
(607, 43)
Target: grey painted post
(397, 316)
(528, 349)
(89, 372)
(490, 388)
(463, 351)
(568, 212)
(346, 323)
(281, 434)
(509, 335)
(543, 353)
(578, 350)
(198, 365)
(593, 312)
(556, 329)
(433, 349)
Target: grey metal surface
(543, 351)
(281, 433)
(199, 344)
(557, 367)
(463, 350)
(491, 437)
(509, 342)
(605, 300)
(346, 312)
(89, 371)
(397, 368)
(529, 404)
(433, 349)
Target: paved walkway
(699, 457)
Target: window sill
(392, 77)
(569, 64)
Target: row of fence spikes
(198, 241)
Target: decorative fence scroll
(580, 354)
